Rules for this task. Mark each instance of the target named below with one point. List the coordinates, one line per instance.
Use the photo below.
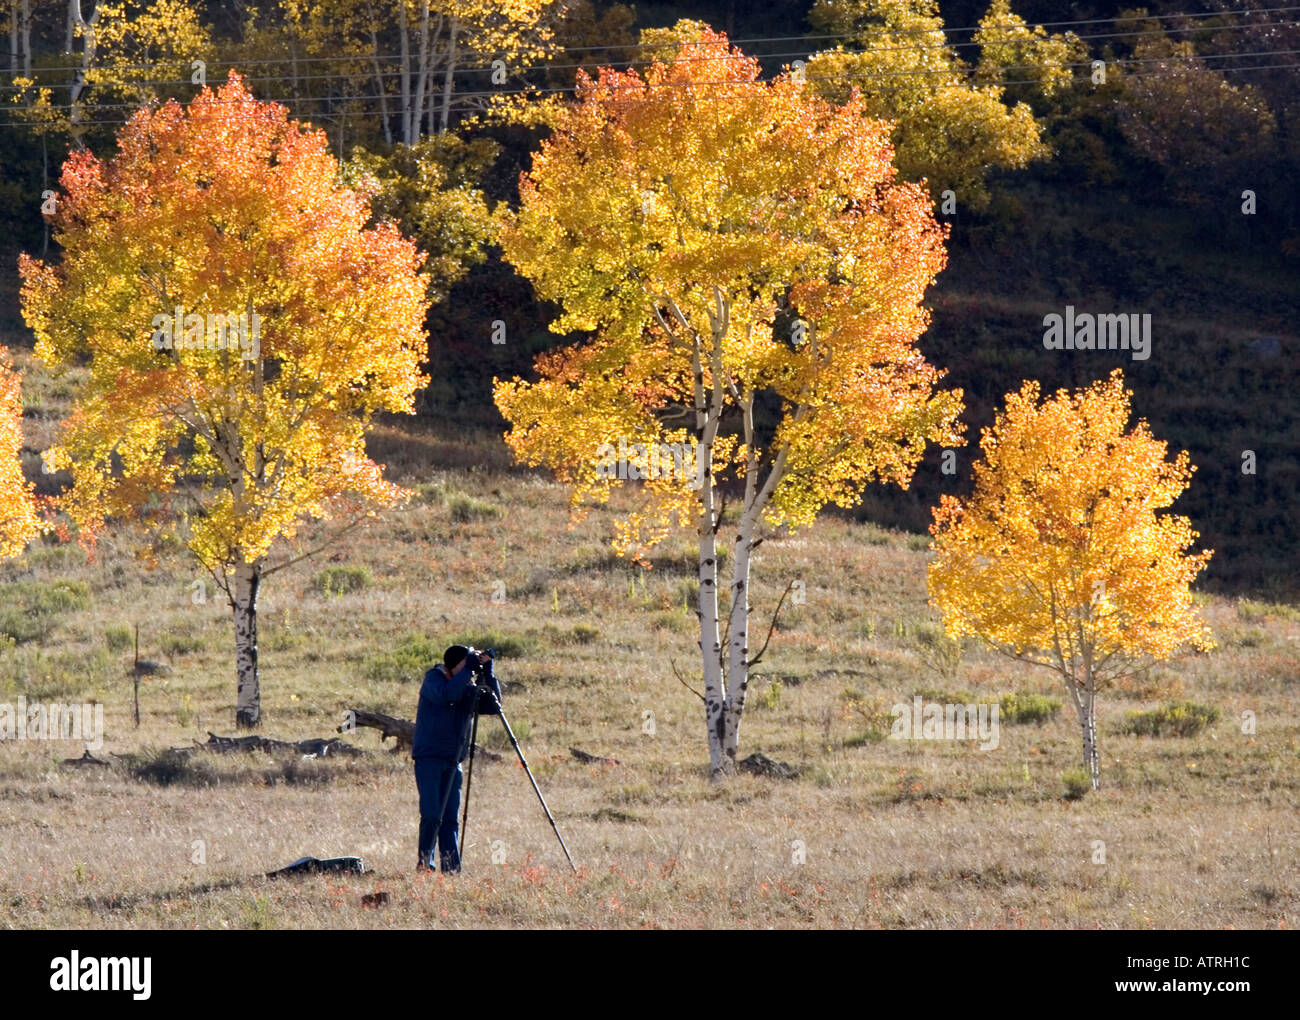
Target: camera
(480, 662)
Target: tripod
(469, 781)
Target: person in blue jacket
(449, 697)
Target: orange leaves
(19, 522)
(226, 207)
(695, 213)
(1061, 553)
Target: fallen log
(314, 747)
(402, 729)
(314, 865)
(592, 759)
(86, 759)
(389, 726)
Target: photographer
(450, 695)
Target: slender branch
(682, 679)
(775, 616)
(267, 571)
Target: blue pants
(432, 779)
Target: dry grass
(1197, 832)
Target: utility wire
(371, 57)
(542, 91)
(104, 122)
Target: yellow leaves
(226, 206)
(694, 213)
(1010, 50)
(19, 522)
(950, 126)
(1061, 552)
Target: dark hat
(454, 656)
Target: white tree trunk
(422, 76)
(243, 600)
(1084, 696)
(75, 128)
(27, 38)
(738, 666)
(1091, 753)
(708, 409)
(404, 48)
(446, 79)
(379, 84)
(710, 638)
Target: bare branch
(682, 679)
(775, 616)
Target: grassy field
(1188, 831)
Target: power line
(104, 122)
(370, 73)
(971, 28)
(371, 57)
(540, 91)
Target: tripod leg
(511, 734)
(469, 780)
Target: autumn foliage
(19, 521)
(1062, 556)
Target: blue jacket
(445, 712)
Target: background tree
(1060, 557)
(430, 189)
(755, 276)
(226, 206)
(951, 124)
(1188, 118)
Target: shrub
(584, 633)
(415, 654)
(1258, 612)
(341, 580)
(672, 619)
(169, 766)
(465, 509)
(118, 639)
(1174, 718)
(1077, 783)
(51, 676)
(594, 557)
(579, 634)
(433, 493)
(495, 736)
(173, 645)
(937, 651)
(410, 660)
(1027, 708)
